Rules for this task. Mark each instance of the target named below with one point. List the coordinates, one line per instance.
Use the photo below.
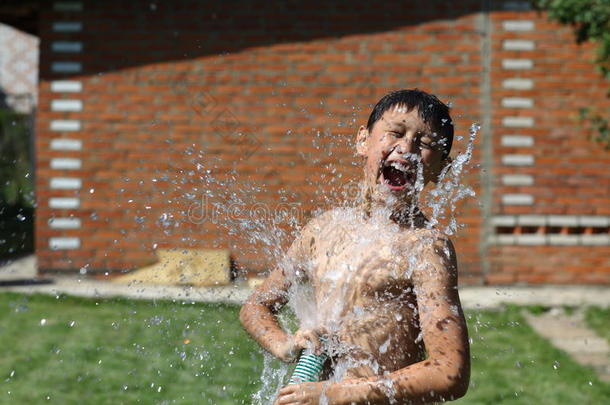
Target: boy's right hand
(302, 339)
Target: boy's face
(399, 145)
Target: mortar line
(486, 138)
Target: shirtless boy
(384, 284)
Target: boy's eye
(426, 145)
(395, 133)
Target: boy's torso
(360, 270)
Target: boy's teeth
(398, 166)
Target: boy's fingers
(284, 399)
(314, 340)
(289, 389)
(289, 395)
(321, 331)
(306, 340)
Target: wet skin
(385, 291)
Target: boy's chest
(359, 263)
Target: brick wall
(139, 101)
(551, 192)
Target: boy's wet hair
(431, 110)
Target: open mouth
(396, 174)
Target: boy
(384, 285)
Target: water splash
(450, 188)
(218, 196)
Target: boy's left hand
(301, 394)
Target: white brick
(518, 84)
(66, 67)
(517, 102)
(67, 26)
(531, 239)
(518, 122)
(65, 125)
(595, 240)
(563, 220)
(517, 5)
(66, 164)
(532, 220)
(66, 144)
(517, 141)
(518, 45)
(66, 105)
(68, 6)
(564, 239)
(64, 203)
(504, 220)
(518, 25)
(517, 64)
(517, 199)
(505, 239)
(66, 86)
(518, 160)
(594, 221)
(67, 46)
(65, 223)
(65, 183)
(64, 243)
(517, 180)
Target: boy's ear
(361, 140)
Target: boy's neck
(404, 214)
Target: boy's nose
(405, 145)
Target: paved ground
(568, 332)
(565, 331)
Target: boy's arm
(445, 374)
(258, 313)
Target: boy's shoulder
(426, 235)
(426, 245)
(329, 217)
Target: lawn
(71, 350)
(599, 320)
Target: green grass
(124, 352)
(120, 351)
(511, 364)
(599, 320)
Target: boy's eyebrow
(397, 124)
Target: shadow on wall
(155, 31)
(16, 183)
